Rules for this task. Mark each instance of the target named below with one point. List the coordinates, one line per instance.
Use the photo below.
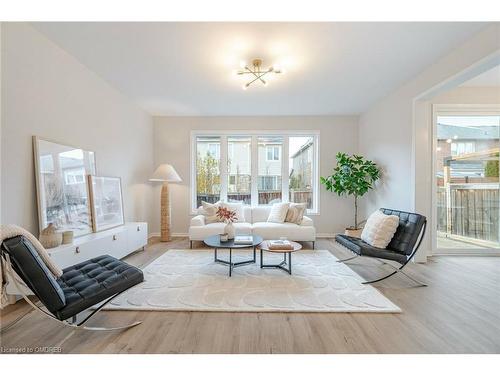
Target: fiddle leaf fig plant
(353, 175)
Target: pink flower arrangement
(226, 215)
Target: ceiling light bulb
(244, 87)
(265, 83)
(243, 64)
(448, 140)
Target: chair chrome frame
(73, 324)
(396, 269)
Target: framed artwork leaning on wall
(61, 183)
(106, 202)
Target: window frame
(273, 149)
(452, 110)
(224, 150)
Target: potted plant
(354, 176)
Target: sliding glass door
(466, 192)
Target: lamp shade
(165, 173)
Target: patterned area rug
(189, 280)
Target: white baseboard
(156, 234)
(325, 235)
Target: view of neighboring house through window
(301, 171)
(467, 181)
(239, 163)
(273, 152)
(270, 169)
(460, 148)
(261, 169)
(208, 176)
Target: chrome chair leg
(80, 325)
(396, 270)
(345, 260)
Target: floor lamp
(165, 173)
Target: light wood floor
(458, 313)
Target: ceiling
(490, 78)
(181, 69)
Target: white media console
(117, 242)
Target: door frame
(454, 110)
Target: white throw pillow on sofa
(295, 213)
(237, 207)
(278, 213)
(379, 229)
(209, 210)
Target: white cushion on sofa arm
(198, 221)
(307, 222)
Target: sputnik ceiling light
(257, 72)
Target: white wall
(47, 92)
(469, 95)
(387, 132)
(172, 145)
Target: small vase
(229, 229)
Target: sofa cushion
(202, 232)
(278, 213)
(237, 207)
(293, 232)
(260, 213)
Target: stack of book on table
(279, 245)
(243, 240)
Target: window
(461, 148)
(273, 153)
(208, 176)
(466, 180)
(239, 169)
(214, 150)
(301, 170)
(261, 168)
(267, 183)
(270, 169)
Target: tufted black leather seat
(80, 287)
(94, 280)
(360, 247)
(402, 245)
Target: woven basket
(49, 237)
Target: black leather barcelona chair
(401, 249)
(94, 282)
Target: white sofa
(255, 223)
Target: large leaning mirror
(62, 190)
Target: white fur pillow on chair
(278, 213)
(379, 229)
